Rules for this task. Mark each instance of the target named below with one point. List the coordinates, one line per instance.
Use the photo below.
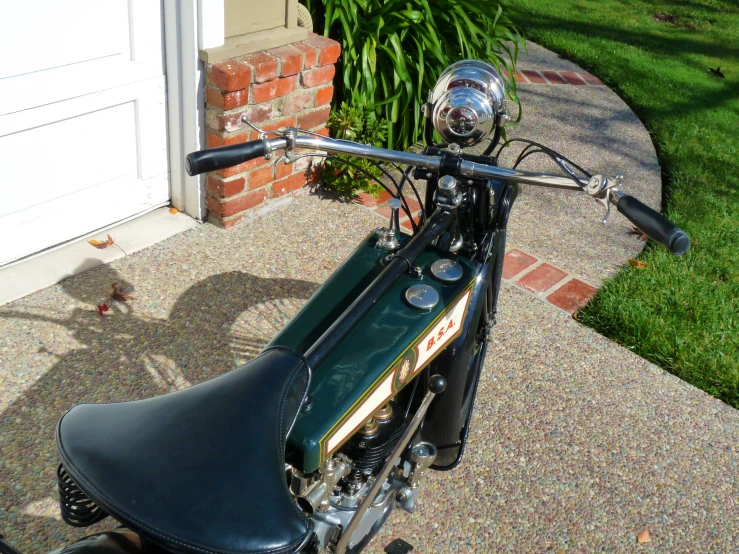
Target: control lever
(386, 235)
(600, 188)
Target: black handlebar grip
(222, 157)
(653, 224)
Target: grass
(680, 313)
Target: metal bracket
(600, 188)
(262, 133)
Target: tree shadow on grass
(217, 324)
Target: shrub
(357, 123)
(394, 50)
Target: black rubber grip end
(656, 226)
(437, 384)
(215, 159)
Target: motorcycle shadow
(215, 325)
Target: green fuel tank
(386, 350)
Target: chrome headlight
(468, 100)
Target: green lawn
(680, 313)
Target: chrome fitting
(386, 235)
(316, 497)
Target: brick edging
(546, 77)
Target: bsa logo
(444, 332)
(405, 369)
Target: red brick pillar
(286, 86)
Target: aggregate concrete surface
(577, 444)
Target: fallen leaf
(174, 211)
(101, 245)
(638, 264)
(643, 537)
(102, 308)
(574, 315)
(116, 293)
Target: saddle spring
(77, 509)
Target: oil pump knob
(437, 384)
(386, 235)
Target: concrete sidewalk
(577, 444)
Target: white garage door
(83, 130)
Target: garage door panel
(83, 125)
(78, 165)
(68, 156)
(30, 231)
(50, 33)
(89, 46)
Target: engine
(332, 495)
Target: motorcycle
(311, 446)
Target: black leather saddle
(200, 470)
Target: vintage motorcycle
(309, 447)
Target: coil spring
(77, 509)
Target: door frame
(189, 26)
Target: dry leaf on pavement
(116, 293)
(638, 264)
(102, 308)
(643, 537)
(101, 245)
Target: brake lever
(600, 188)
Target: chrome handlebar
(433, 163)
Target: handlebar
(654, 224)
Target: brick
(230, 76)
(533, 76)
(542, 278)
(232, 121)
(323, 131)
(591, 79)
(291, 60)
(264, 175)
(314, 118)
(319, 76)
(330, 50)
(219, 187)
(310, 53)
(288, 184)
(228, 223)
(274, 89)
(226, 100)
(241, 168)
(517, 76)
(372, 201)
(324, 96)
(226, 122)
(237, 204)
(515, 262)
(554, 77)
(217, 140)
(407, 222)
(297, 102)
(265, 67)
(572, 296)
(280, 123)
(572, 78)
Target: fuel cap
(447, 271)
(422, 297)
